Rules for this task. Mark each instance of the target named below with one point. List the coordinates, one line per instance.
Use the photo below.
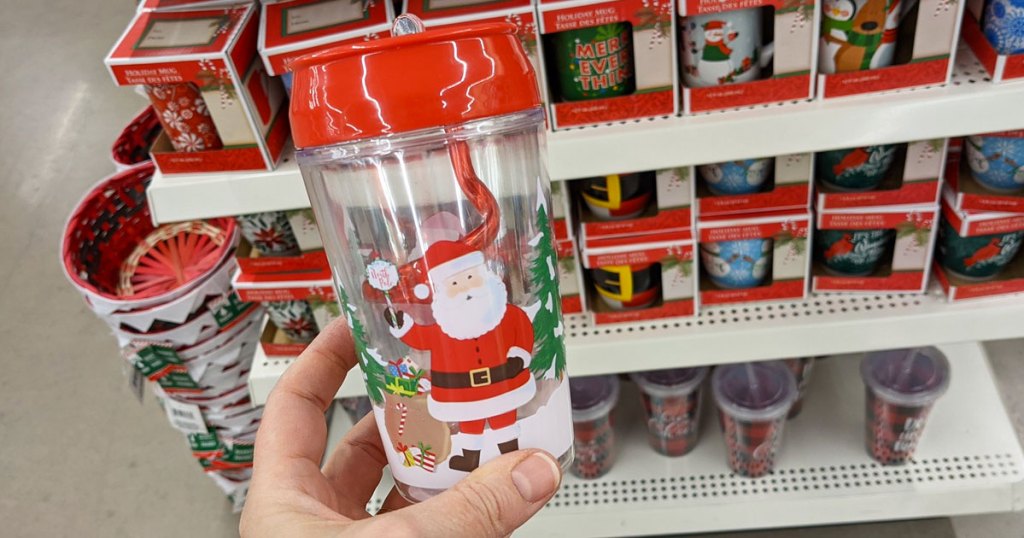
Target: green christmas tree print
(373, 371)
(549, 348)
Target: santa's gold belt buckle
(484, 373)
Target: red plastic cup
(901, 386)
(801, 369)
(672, 403)
(753, 400)
(592, 401)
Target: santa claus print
(480, 350)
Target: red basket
(111, 243)
(132, 146)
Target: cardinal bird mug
(721, 48)
(979, 257)
(857, 35)
(854, 169)
(435, 212)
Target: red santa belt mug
(435, 209)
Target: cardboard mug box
(215, 49)
(654, 60)
(788, 274)
(914, 178)
(964, 192)
(307, 236)
(669, 256)
(670, 207)
(438, 13)
(178, 5)
(925, 43)
(788, 186)
(905, 263)
(973, 223)
(276, 344)
(570, 276)
(267, 287)
(295, 28)
(561, 224)
(789, 55)
(1000, 67)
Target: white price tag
(186, 418)
(136, 381)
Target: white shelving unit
(968, 462)
(971, 104)
(821, 325)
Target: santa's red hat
(446, 258)
(714, 25)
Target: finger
(493, 500)
(356, 466)
(293, 430)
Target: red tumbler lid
(413, 81)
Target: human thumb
(493, 500)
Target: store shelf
(178, 197)
(968, 462)
(972, 104)
(822, 325)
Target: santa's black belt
(480, 377)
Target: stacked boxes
(876, 216)
(978, 252)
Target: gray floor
(78, 456)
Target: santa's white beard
(463, 318)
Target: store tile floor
(78, 455)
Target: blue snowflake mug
(721, 48)
(737, 264)
(852, 252)
(1003, 25)
(854, 169)
(979, 257)
(997, 162)
(748, 176)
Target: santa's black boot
(467, 462)
(508, 446)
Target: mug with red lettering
(594, 62)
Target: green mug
(594, 62)
(979, 257)
(852, 252)
(854, 169)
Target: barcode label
(186, 418)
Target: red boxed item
(178, 5)
(275, 342)
(220, 109)
(755, 185)
(294, 28)
(560, 211)
(869, 46)
(1000, 67)
(874, 249)
(262, 288)
(739, 53)
(756, 257)
(633, 204)
(570, 276)
(435, 13)
(985, 244)
(964, 192)
(301, 229)
(607, 60)
(627, 279)
(913, 176)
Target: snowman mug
(737, 264)
(722, 48)
(997, 161)
(747, 176)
